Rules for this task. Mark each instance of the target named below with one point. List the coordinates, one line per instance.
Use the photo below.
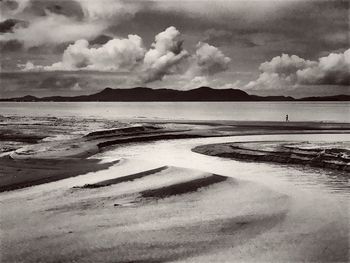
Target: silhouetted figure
(287, 118)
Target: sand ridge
(135, 220)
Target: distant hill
(199, 94)
(328, 98)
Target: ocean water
(240, 111)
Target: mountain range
(199, 94)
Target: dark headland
(148, 94)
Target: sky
(74, 47)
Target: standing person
(287, 118)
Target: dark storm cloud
(8, 24)
(8, 5)
(10, 46)
(315, 26)
(311, 26)
(68, 8)
(100, 40)
(220, 37)
(152, 19)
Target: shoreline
(286, 152)
(27, 159)
(151, 212)
(130, 208)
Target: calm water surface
(250, 111)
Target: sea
(239, 111)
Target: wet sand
(335, 155)
(131, 211)
(172, 215)
(52, 148)
(21, 173)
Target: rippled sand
(143, 205)
(171, 214)
(160, 214)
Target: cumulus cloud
(234, 85)
(195, 82)
(48, 23)
(53, 29)
(269, 81)
(208, 60)
(115, 55)
(288, 71)
(285, 64)
(166, 56)
(333, 69)
(166, 52)
(76, 87)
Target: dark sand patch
(183, 188)
(124, 179)
(16, 174)
(123, 131)
(150, 137)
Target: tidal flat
(94, 190)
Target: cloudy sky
(72, 47)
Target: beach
(203, 131)
(134, 191)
